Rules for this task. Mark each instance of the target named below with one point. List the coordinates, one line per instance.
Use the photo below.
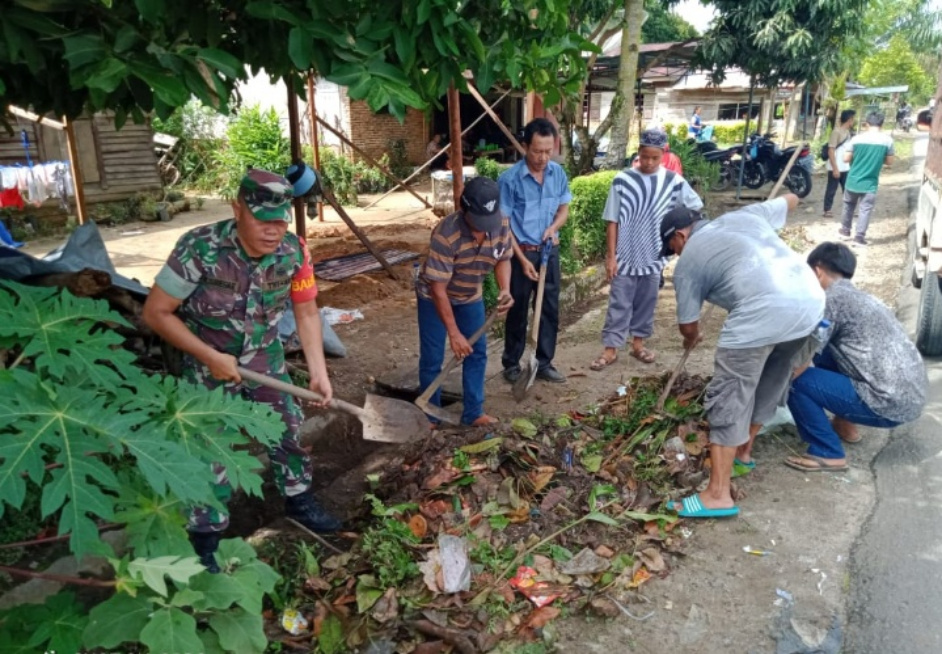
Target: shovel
(680, 366)
(423, 400)
(384, 419)
(528, 373)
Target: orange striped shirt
(457, 258)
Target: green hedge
(582, 238)
(730, 134)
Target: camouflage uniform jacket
(231, 301)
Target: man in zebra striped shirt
(637, 201)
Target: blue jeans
(432, 342)
(820, 388)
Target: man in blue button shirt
(534, 194)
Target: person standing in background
(534, 194)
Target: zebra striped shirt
(637, 202)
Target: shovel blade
(438, 412)
(388, 420)
(527, 375)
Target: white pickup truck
(927, 250)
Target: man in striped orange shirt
(465, 247)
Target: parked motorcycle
(771, 160)
(904, 118)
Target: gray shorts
(749, 384)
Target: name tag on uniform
(220, 283)
(276, 284)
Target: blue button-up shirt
(532, 206)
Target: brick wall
(372, 132)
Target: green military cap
(267, 195)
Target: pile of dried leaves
(481, 539)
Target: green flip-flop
(741, 468)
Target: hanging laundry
(6, 238)
(10, 197)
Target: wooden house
(114, 164)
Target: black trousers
(831, 189)
(523, 290)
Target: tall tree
(67, 56)
(775, 41)
(897, 64)
(664, 26)
(623, 104)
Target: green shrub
(487, 167)
(195, 125)
(255, 140)
(700, 173)
(582, 238)
(398, 158)
(730, 134)
(339, 175)
(679, 130)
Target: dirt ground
(717, 598)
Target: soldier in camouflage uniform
(219, 299)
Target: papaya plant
(106, 442)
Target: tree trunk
(623, 104)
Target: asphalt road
(896, 566)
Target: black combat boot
(306, 510)
(205, 545)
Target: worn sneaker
(860, 240)
(307, 511)
(205, 545)
(512, 374)
(844, 233)
(550, 374)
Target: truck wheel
(929, 321)
(917, 267)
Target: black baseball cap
(672, 221)
(481, 203)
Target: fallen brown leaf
(605, 551)
(430, 647)
(540, 617)
(434, 508)
(554, 497)
(386, 607)
(418, 526)
(652, 559)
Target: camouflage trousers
(290, 463)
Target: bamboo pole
(444, 149)
(78, 181)
(490, 112)
(332, 201)
(294, 131)
(372, 161)
(788, 168)
(457, 161)
(315, 139)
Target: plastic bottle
(822, 334)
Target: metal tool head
(437, 412)
(389, 420)
(526, 378)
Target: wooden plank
(88, 157)
(76, 169)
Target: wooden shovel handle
(538, 307)
(680, 364)
(450, 365)
(297, 391)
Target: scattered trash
(133, 232)
(622, 391)
(456, 568)
(625, 610)
(340, 316)
(824, 577)
(538, 592)
(586, 562)
(785, 595)
(293, 622)
(748, 549)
